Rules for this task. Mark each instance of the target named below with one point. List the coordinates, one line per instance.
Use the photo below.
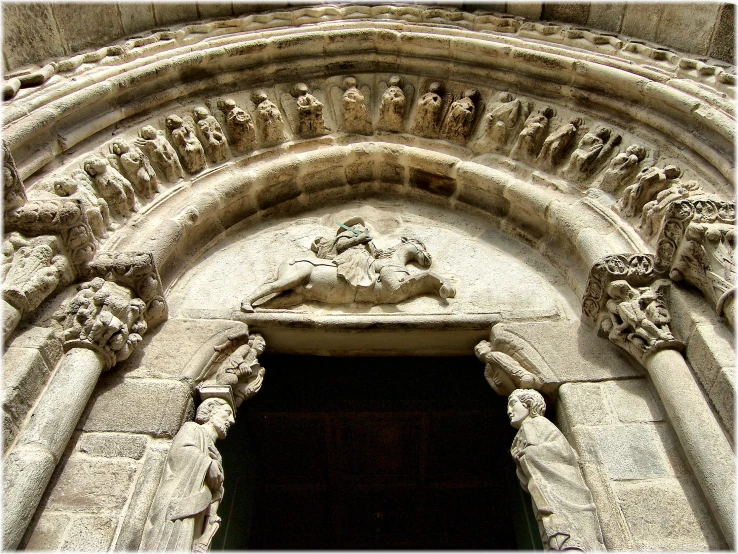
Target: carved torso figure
(392, 106)
(548, 469)
(184, 516)
(621, 167)
(137, 168)
(649, 183)
(588, 151)
(211, 133)
(354, 108)
(557, 143)
(270, 119)
(530, 138)
(309, 113)
(503, 119)
(654, 211)
(79, 187)
(112, 186)
(429, 111)
(187, 144)
(460, 116)
(240, 126)
(160, 152)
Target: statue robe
(177, 515)
(562, 502)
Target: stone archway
(583, 148)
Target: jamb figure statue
(349, 268)
(547, 468)
(184, 516)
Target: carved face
(517, 412)
(221, 419)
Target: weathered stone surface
(42, 339)
(171, 14)
(24, 375)
(84, 484)
(104, 24)
(606, 16)
(722, 395)
(113, 445)
(142, 496)
(30, 34)
(585, 404)
(641, 20)
(148, 406)
(723, 40)
(89, 534)
(568, 12)
(531, 10)
(667, 514)
(136, 17)
(46, 532)
(688, 29)
(633, 401)
(214, 9)
(631, 452)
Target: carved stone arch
(62, 126)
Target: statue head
(200, 112)
(228, 104)
(64, 186)
(300, 89)
(173, 122)
(637, 150)
(119, 147)
(524, 403)
(504, 97)
(349, 82)
(436, 88)
(602, 133)
(216, 412)
(395, 81)
(95, 165)
(258, 96)
(472, 94)
(147, 132)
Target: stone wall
(34, 32)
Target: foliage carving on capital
(105, 317)
(696, 243)
(235, 365)
(626, 301)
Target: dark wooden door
(383, 453)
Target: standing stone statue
(557, 143)
(184, 515)
(270, 119)
(309, 112)
(548, 469)
(160, 152)
(590, 149)
(240, 126)
(620, 168)
(354, 108)
(212, 136)
(429, 111)
(531, 137)
(137, 168)
(112, 186)
(392, 106)
(460, 117)
(187, 144)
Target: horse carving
(348, 268)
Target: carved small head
(201, 112)
(147, 132)
(637, 150)
(64, 186)
(227, 105)
(218, 413)
(436, 88)
(173, 122)
(300, 89)
(524, 403)
(395, 81)
(472, 94)
(620, 290)
(349, 82)
(258, 96)
(576, 122)
(119, 147)
(672, 172)
(602, 133)
(95, 165)
(504, 97)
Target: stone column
(101, 326)
(626, 301)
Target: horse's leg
(423, 283)
(299, 275)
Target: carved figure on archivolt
(240, 125)
(428, 112)
(594, 147)
(531, 138)
(503, 119)
(348, 267)
(185, 141)
(653, 212)
(79, 187)
(649, 183)
(270, 119)
(137, 167)
(310, 120)
(459, 120)
(112, 186)
(211, 135)
(355, 110)
(620, 168)
(393, 106)
(556, 145)
(160, 152)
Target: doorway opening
(382, 453)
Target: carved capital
(626, 301)
(104, 317)
(32, 269)
(136, 271)
(65, 217)
(696, 243)
(235, 365)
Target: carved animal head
(422, 255)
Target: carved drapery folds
(548, 469)
(696, 243)
(310, 122)
(626, 301)
(393, 105)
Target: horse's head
(418, 250)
